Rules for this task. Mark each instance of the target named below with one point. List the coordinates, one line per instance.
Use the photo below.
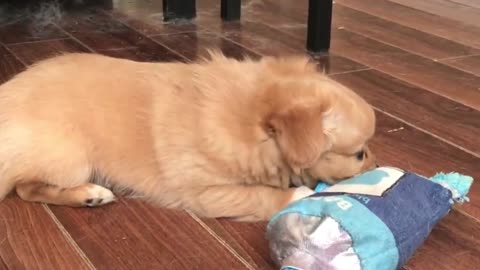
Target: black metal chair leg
(179, 9)
(231, 10)
(319, 25)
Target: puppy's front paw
(300, 193)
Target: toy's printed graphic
(374, 221)
(374, 182)
(370, 178)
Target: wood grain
(154, 25)
(406, 38)
(32, 52)
(395, 61)
(30, 239)
(440, 116)
(426, 22)
(268, 41)
(445, 9)
(26, 31)
(143, 54)
(470, 3)
(134, 235)
(248, 239)
(194, 45)
(452, 245)
(403, 37)
(441, 79)
(469, 64)
(9, 65)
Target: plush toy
(374, 221)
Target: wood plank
(130, 234)
(3, 265)
(470, 3)
(440, 78)
(30, 239)
(110, 41)
(154, 24)
(248, 239)
(9, 65)
(194, 45)
(269, 41)
(440, 116)
(436, 77)
(426, 22)
(111, 34)
(151, 53)
(469, 64)
(91, 21)
(406, 38)
(446, 9)
(453, 244)
(36, 51)
(26, 31)
(143, 51)
(99, 31)
(147, 50)
(266, 40)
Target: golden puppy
(221, 137)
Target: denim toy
(374, 221)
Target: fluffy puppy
(220, 137)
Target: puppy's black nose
(376, 165)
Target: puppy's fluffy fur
(221, 137)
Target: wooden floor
(417, 62)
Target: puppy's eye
(360, 155)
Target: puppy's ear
(299, 134)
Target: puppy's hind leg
(86, 195)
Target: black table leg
(319, 25)
(179, 9)
(231, 10)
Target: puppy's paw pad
(98, 195)
(301, 192)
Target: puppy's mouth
(296, 180)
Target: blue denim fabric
(408, 211)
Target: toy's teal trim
(458, 184)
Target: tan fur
(222, 138)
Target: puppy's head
(320, 127)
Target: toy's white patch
(374, 182)
(301, 192)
